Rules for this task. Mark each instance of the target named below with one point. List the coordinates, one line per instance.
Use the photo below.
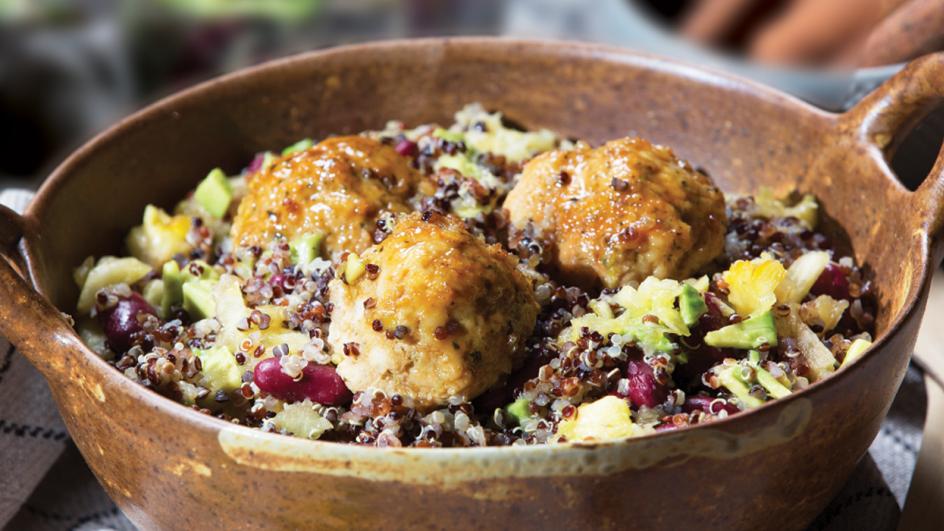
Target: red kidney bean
(832, 282)
(708, 404)
(120, 322)
(256, 163)
(407, 148)
(319, 383)
(644, 389)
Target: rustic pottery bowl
(167, 466)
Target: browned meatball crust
(339, 187)
(437, 313)
(620, 212)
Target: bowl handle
(884, 117)
(27, 319)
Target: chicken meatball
(430, 313)
(619, 213)
(339, 187)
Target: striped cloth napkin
(45, 485)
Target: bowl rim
(558, 48)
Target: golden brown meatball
(436, 313)
(338, 187)
(620, 212)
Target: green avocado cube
(691, 305)
(198, 299)
(306, 247)
(174, 279)
(450, 136)
(154, 294)
(749, 333)
(519, 410)
(301, 145)
(770, 384)
(173, 285)
(219, 368)
(728, 376)
(856, 350)
(214, 193)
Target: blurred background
(70, 68)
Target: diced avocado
(108, 272)
(856, 350)
(691, 304)
(445, 134)
(173, 285)
(198, 299)
(306, 247)
(728, 376)
(519, 410)
(159, 237)
(301, 145)
(700, 284)
(267, 160)
(154, 293)
(174, 279)
(772, 385)
(276, 334)
(466, 167)
(214, 193)
(750, 333)
(219, 368)
(354, 268)
(300, 419)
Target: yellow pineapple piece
(752, 284)
(159, 237)
(605, 419)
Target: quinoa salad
(474, 284)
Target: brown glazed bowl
(777, 466)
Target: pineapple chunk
(80, 274)
(109, 271)
(220, 370)
(801, 276)
(752, 284)
(654, 297)
(159, 237)
(824, 311)
(605, 419)
(768, 206)
(301, 419)
(813, 352)
(514, 145)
